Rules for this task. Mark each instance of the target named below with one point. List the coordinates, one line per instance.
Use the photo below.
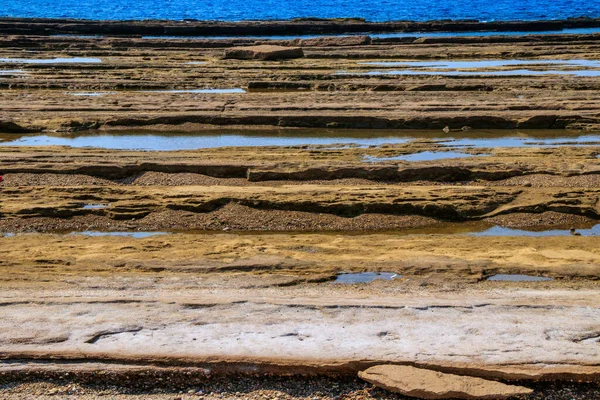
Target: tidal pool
(11, 72)
(136, 235)
(484, 67)
(95, 206)
(333, 139)
(386, 35)
(208, 90)
(365, 277)
(484, 63)
(500, 231)
(184, 141)
(78, 60)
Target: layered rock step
(427, 384)
(264, 53)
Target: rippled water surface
(374, 10)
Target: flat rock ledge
(427, 384)
(264, 52)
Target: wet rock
(12, 127)
(264, 52)
(427, 384)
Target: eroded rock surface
(426, 384)
(264, 53)
(333, 86)
(237, 302)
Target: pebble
(147, 386)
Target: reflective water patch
(74, 60)
(365, 277)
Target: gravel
(232, 217)
(170, 386)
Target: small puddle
(136, 235)
(332, 139)
(422, 156)
(233, 90)
(95, 206)
(78, 60)
(199, 140)
(456, 68)
(500, 231)
(8, 235)
(365, 277)
(516, 72)
(570, 31)
(11, 72)
(523, 142)
(484, 63)
(196, 62)
(518, 278)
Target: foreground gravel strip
(174, 387)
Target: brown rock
(428, 384)
(335, 41)
(12, 127)
(264, 52)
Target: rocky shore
(113, 83)
(282, 271)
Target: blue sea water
(373, 10)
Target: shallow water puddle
(518, 278)
(95, 206)
(422, 156)
(484, 63)
(166, 142)
(365, 277)
(585, 140)
(500, 231)
(455, 68)
(333, 139)
(78, 60)
(11, 72)
(221, 91)
(515, 72)
(135, 235)
(570, 31)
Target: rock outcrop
(428, 384)
(264, 52)
(335, 41)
